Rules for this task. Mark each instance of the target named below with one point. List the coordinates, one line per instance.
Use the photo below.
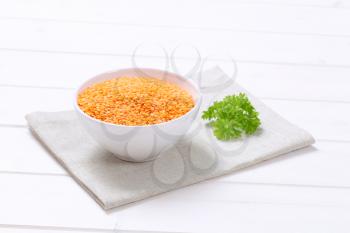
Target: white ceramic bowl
(139, 143)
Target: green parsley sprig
(232, 117)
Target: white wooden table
(293, 54)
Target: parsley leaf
(232, 117)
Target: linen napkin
(197, 157)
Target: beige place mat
(112, 182)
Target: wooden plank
(324, 120)
(30, 157)
(324, 164)
(59, 202)
(56, 6)
(313, 117)
(268, 16)
(264, 80)
(122, 40)
(21, 101)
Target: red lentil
(135, 101)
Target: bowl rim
(191, 82)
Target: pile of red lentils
(135, 101)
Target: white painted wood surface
(293, 54)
